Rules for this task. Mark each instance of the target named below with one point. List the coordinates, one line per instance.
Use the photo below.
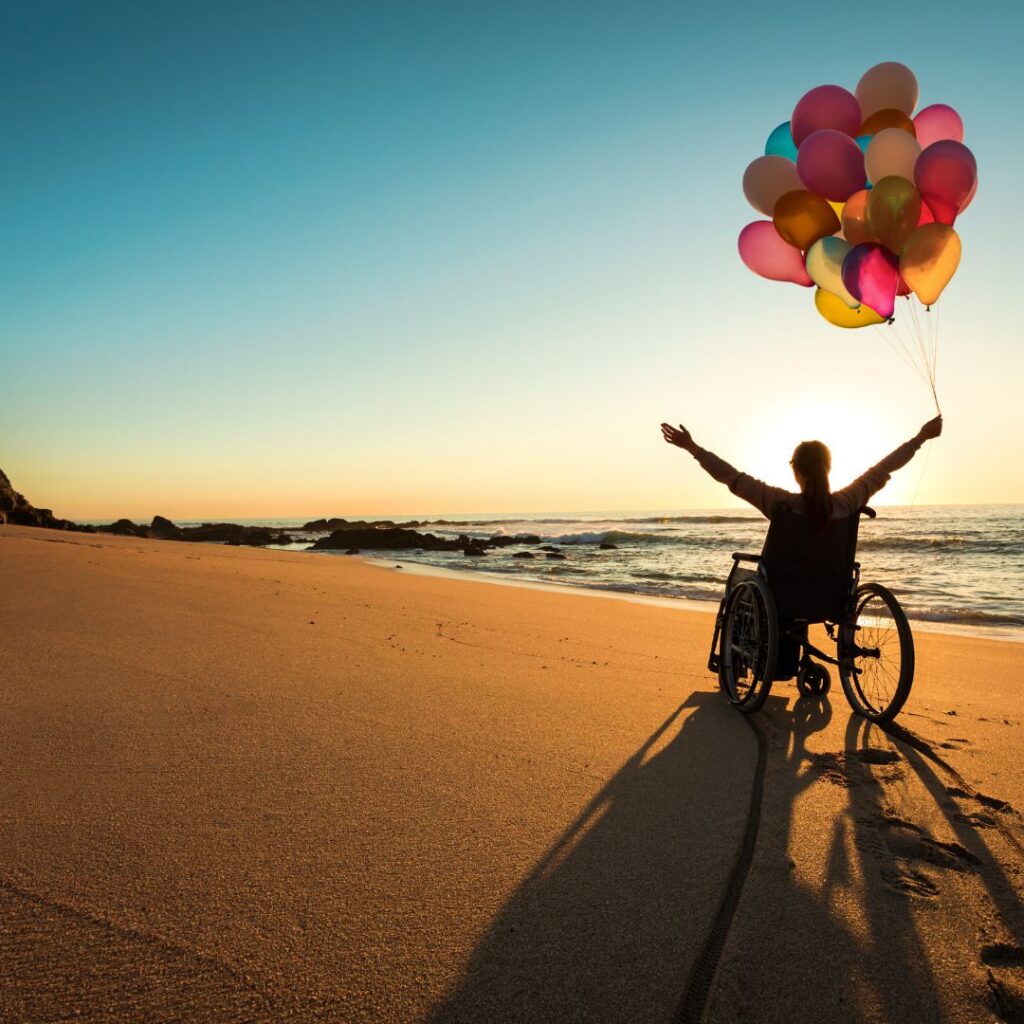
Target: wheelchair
(802, 577)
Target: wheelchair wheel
(876, 656)
(750, 644)
(813, 680)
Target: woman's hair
(812, 460)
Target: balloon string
(919, 339)
(924, 470)
(916, 343)
(901, 351)
(933, 351)
(905, 335)
(906, 347)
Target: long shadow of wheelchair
(853, 908)
(608, 924)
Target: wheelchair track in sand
(700, 985)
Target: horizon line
(606, 512)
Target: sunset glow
(473, 279)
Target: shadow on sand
(605, 926)
(608, 925)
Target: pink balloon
(945, 174)
(938, 122)
(831, 164)
(872, 274)
(926, 216)
(827, 106)
(765, 253)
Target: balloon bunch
(862, 195)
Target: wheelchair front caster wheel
(813, 680)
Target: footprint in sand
(846, 769)
(992, 802)
(976, 820)
(908, 841)
(1002, 954)
(907, 848)
(877, 755)
(910, 881)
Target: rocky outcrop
(164, 529)
(210, 533)
(125, 528)
(385, 538)
(350, 536)
(388, 537)
(17, 510)
(233, 533)
(333, 525)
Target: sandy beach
(248, 785)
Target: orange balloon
(929, 261)
(890, 118)
(856, 229)
(802, 217)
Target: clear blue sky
(295, 258)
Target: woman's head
(811, 463)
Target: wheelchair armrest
(740, 556)
(869, 512)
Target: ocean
(958, 568)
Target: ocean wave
(965, 617)
(527, 521)
(693, 519)
(636, 537)
(950, 542)
(683, 577)
(654, 590)
(504, 522)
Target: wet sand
(245, 785)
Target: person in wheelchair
(806, 573)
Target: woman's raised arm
(762, 496)
(856, 495)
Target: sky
(303, 259)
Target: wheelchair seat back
(809, 571)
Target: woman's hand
(931, 429)
(681, 438)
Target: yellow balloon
(838, 207)
(836, 312)
(929, 261)
(824, 265)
